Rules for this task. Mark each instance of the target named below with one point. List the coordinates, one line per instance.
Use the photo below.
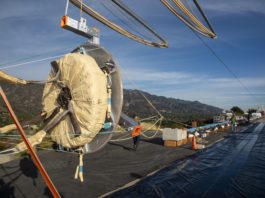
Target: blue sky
(186, 70)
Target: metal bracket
(80, 27)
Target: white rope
(14, 152)
(186, 125)
(29, 62)
(61, 151)
(158, 130)
(7, 150)
(40, 60)
(39, 147)
(148, 129)
(119, 140)
(135, 86)
(7, 142)
(148, 118)
(151, 104)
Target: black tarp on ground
(104, 171)
(234, 167)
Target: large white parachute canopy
(90, 86)
(82, 101)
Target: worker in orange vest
(136, 133)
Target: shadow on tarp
(157, 141)
(136, 175)
(6, 189)
(26, 167)
(234, 167)
(47, 193)
(122, 146)
(29, 169)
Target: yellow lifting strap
(8, 128)
(10, 79)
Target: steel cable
(196, 25)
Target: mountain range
(26, 101)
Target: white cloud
(235, 6)
(222, 92)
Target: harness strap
(79, 168)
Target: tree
(250, 111)
(237, 110)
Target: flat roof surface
(234, 167)
(104, 171)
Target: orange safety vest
(136, 131)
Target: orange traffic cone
(194, 144)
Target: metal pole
(34, 156)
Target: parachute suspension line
(181, 123)
(138, 22)
(195, 24)
(88, 10)
(18, 61)
(201, 12)
(124, 138)
(119, 18)
(193, 18)
(8, 143)
(149, 102)
(226, 66)
(61, 151)
(123, 13)
(190, 7)
(14, 136)
(129, 12)
(157, 130)
(152, 105)
(204, 15)
(11, 79)
(121, 139)
(148, 118)
(29, 62)
(182, 18)
(35, 61)
(13, 151)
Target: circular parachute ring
(82, 73)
